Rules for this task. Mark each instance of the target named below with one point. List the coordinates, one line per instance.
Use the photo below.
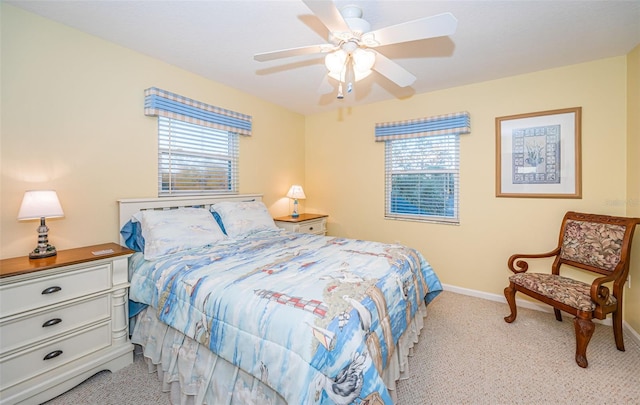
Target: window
(422, 178)
(194, 159)
(198, 144)
(422, 167)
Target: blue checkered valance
(447, 124)
(161, 103)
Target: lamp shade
(40, 204)
(296, 192)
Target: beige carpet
(467, 355)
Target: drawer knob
(51, 322)
(311, 228)
(52, 355)
(51, 290)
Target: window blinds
(422, 178)
(198, 144)
(422, 167)
(194, 159)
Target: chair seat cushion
(573, 293)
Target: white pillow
(242, 219)
(170, 231)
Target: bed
(229, 309)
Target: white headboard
(128, 207)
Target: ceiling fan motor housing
(353, 17)
(358, 25)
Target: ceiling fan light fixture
(335, 61)
(341, 75)
(363, 59)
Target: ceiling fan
(349, 52)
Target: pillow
(216, 216)
(242, 219)
(170, 231)
(132, 234)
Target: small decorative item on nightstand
(304, 223)
(296, 193)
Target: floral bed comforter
(316, 318)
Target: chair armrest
(521, 266)
(599, 292)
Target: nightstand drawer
(28, 364)
(25, 330)
(315, 227)
(50, 290)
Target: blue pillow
(218, 219)
(132, 234)
(135, 308)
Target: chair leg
(584, 330)
(510, 295)
(558, 314)
(617, 330)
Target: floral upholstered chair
(597, 243)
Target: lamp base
(40, 252)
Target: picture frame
(538, 155)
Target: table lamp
(41, 204)
(296, 193)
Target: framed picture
(538, 154)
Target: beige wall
(73, 120)
(632, 300)
(345, 170)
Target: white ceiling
(217, 40)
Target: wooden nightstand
(305, 223)
(62, 319)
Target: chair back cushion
(593, 244)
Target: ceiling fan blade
(325, 87)
(393, 71)
(286, 53)
(328, 13)
(429, 27)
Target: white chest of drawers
(62, 319)
(305, 223)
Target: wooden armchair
(597, 243)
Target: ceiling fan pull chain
(349, 75)
(340, 95)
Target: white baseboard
(531, 305)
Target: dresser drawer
(50, 290)
(29, 329)
(29, 363)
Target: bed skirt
(192, 374)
